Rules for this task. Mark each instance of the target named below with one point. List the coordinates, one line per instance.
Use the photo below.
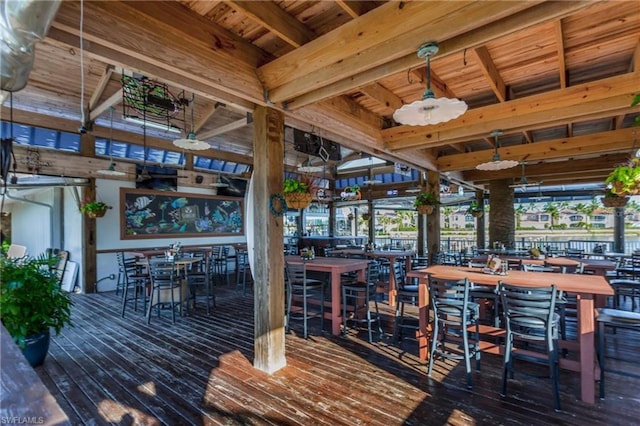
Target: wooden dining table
(392, 255)
(335, 266)
(586, 287)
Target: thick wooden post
(268, 172)
(502, 216)
(433, 220)
(89, 245)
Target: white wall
(108, 234)
(31, 222)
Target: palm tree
(447, 212)
(520, 210)
(553, 211)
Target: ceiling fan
(524, 182)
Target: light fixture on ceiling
(539, 197)
(111, 170)
(496, 163)
(429, 110)
(191, 143)
(218, 183)
(524, 182)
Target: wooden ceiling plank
(383, 96)
(112, 100)
(535, 15)
(562, 67)
(234, 125)
(206, 116)
(491, 73)
(286, 79)
(356, 8)
(102, 84)
(275, 19)
(598, 143)
(518, 112)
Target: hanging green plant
(426, 202)
(94, 209)
(475, 209)
(624, 180)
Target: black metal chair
(453, 315)
(486, 294)
(220, 262)
(242, 270)
(199, 278)
(166, 289)
(531, 321)
(614, 318)
(356, 299)
(133, 279)
(405, 294)
(301, 288)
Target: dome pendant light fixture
(429, 110)
(497, 163)
(111, 170)
(191, 143)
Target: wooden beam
(577, 146)
(276, 20)
(545, 171)
(234, 125)
(562, 68)
(206, 116)
(383, 96)
(268, 259)
(488, 68)
(102, 84)
(114, 99)
(609, 94)
(356, 8)
(535, 15)
(382, 35)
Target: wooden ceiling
(557, 77)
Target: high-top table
(587, 287)
(392, 255)
(334, 266)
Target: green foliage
(426, 199)
(31, 300)
(625, 179)
(93, 206)
(474, 207)
(305, 183)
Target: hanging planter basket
(366, 216)
(298, 200)
(96, 213)
(477, 213)
(425, 209)
(615, 201)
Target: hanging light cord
(111, 135)
(428, 72)
(82, 112)
(193, 100)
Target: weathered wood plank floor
(110, 370)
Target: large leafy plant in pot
(298, 192)
(426, 202)
(31, 303)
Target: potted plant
(94, 209)
(297, 192)
(32, 303)
(611, 199)
(425, 202)
(475, 210)
(625, 179)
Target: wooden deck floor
(107, 369)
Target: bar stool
(220, 262)
(359, 295)
(299, 287)
(134, 282)
(405, 294)
(165, 289)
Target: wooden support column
(89, 245)
(268, 173)
(480, 234)
(502, 216)
(433, 220)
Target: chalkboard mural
(161, 214)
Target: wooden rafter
(99, 90)
(234, 125)
(356, 8)
(562, 68)
(488, 68)
(112, 100)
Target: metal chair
(242, 270)
(359, 296)
(220, 262)
(614, 318)
(133, 279)
(405, 294)
(530, 318)
(299, 287)
(453, 315)
(165, 289)
(199, 277)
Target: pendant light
(497, 163)
(429, 110)
(111, 170)
(191, 143)
(524, 182)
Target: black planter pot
(36, 348)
